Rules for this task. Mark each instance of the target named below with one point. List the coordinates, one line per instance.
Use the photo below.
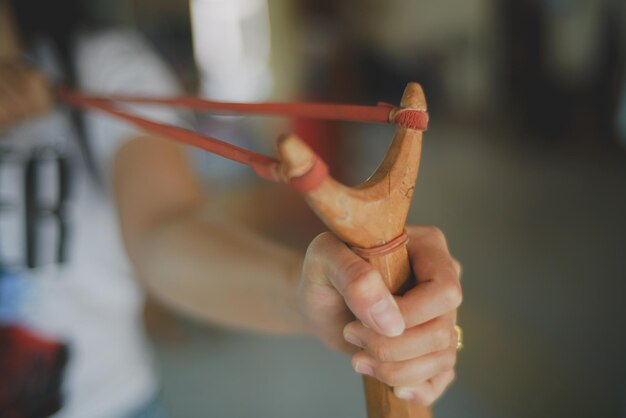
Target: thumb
(362, 288)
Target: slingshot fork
(370, 216)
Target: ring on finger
(459, 337)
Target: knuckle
(380, 351)
(326, 249)
(452, 293)
(387, 375)
(359, 284)
(317, 253)
(435, 233)
(457, 266)
(441, 339)
(319, 242)
(449, 360)
(423, 397)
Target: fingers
(361, 286)
(438, 276)
(411, 359)
(433, 336)
(407, 342)
(427, 392)
(419, 364)
(410, 373)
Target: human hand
(24, 93)
(407, 342)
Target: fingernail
(352, 339)
(387, 316)
(364, 368)
(405, 393)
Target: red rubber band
(382, 112)
(312, 179)
(264, 166)
(382, 250)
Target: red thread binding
(412, 119)
(382, 250)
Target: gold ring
(459, 338)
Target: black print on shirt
(46, 193)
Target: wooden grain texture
(368, 216)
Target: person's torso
(63, 270)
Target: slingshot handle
(381, 401)
(369, 216)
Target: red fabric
(31, 370)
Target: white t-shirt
(91, 301)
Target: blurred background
(524, 168)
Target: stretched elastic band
(312, 179)
(382, 250)
(381, 113)
(266, 167)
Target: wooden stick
(368, 216)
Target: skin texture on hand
(407, 342)
(24, 94)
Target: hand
(24, 93)
(407, 342)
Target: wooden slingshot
(370, 217)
